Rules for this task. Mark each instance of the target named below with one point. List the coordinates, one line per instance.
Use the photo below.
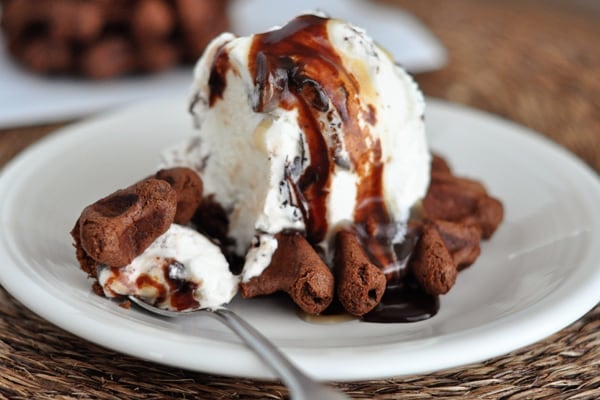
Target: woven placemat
(39, 360)
(534, 62)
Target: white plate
(539, 273)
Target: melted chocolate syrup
(404, 302)
(180, 291)
(216, 79)
(289, 66)
(297, 67)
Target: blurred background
(535, 62)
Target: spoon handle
(300, 386)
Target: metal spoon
(300, 386)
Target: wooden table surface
(534, 62)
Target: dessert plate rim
(40, 270)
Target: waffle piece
(117, 228)
(457, 213)
(461, 200)
(359, 283)
(298, 270)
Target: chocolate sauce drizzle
(404, 300)
(178, 290)
(296, 67)
(216, 80)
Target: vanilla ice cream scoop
(309, 127)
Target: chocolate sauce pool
(403, 302)
(296, 67)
